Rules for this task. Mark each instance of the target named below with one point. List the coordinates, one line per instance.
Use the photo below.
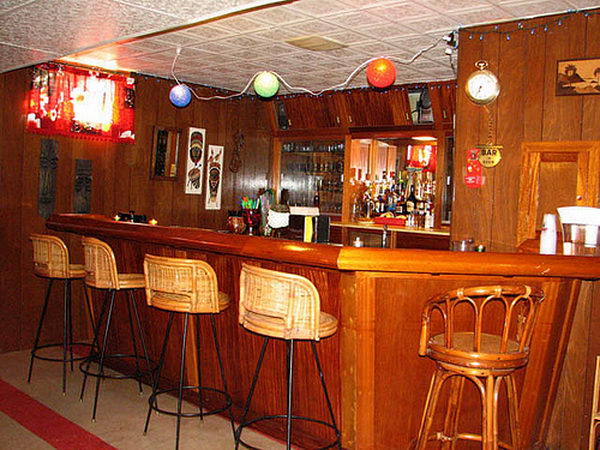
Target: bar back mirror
(555, 174)
(165, 153)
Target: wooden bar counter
(377, 380)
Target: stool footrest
(60, 345)
(94, 372)
(238, 432)
(152, 401)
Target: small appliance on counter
(130, 216)
(580, 227)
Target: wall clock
(482, 86)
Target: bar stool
(185, 286)
(493, 344)
(284, 306)
(102, 274)
(51, 261)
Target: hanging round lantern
(180, 95)
(381, 73)
(266, 84)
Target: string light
(520, 26)
(291, 88)
(450, 40)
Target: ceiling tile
(319, 7)
(401, 11)
(481, 15)
(278, 16)
(356, 20)
(531, 8)
(314, 27)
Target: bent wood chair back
(183, 285)
(50, 256)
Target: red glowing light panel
(81, 103)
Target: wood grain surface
(377, 380)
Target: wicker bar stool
(51, 261)
(101, 273)
(284, 306)
(185, 286)
(485, 345)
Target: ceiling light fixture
(315, 43)
(423, 138)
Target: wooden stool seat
(275, 327)
(130, 281)
(185, 286)
(102, 274)
(488, 358)
(51, 260)
(485, 336)
(284, 306)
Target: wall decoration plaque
(578, 77)
(83, 186)
(214, 177)
(195, 160)
(47, 180)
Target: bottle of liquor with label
(411, 200)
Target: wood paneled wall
(120, 182)
(526, 110)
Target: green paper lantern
(266, 84)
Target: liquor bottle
(411, 200)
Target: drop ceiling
(223, 43)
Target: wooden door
(555, 174)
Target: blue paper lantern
(180, 95)
(266, 84)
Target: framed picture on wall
(214, 176)
(196, 139)
(578, 77)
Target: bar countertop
(336, 257)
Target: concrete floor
(120, 417)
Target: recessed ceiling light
(423, 138)
(316, 43)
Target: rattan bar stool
(284, 306)
(481, 334)
(101, 273)
(185, 286)
(51, 261)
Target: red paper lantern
(381, 73)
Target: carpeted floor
(37, 416)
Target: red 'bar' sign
(473, 175)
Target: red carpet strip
(53, 428)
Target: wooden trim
(587, 156)
(328, 256)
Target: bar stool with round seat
(185, 286)
(481, 334)
(284, 306)
(102, 274)
(51, 261)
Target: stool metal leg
(95, 348)
(324, 385)
(251, 392)
(159, 368)
(66, 333)
(290, 389)
(70, 324)
(199, 366)
(134, 340)
(39, 328)
(181, 375)
(223, 379)
(103, 351)
(142, 338)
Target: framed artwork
(196, 139)
(578, 77)
(165, 153)
(214, 165)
